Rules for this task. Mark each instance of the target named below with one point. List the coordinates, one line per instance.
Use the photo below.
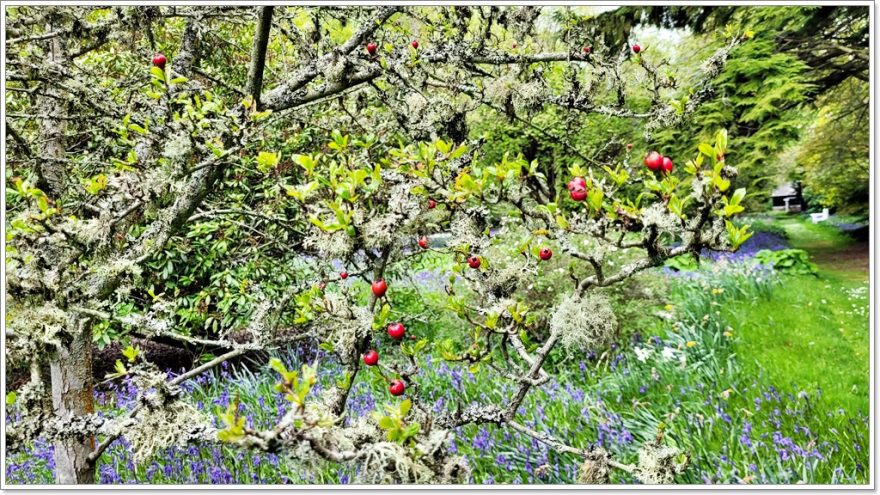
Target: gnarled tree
(123, 174)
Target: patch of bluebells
(757, 242)
(757, 434)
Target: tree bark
(258, 55)
(51, 169)
(70, 368)
(72, 395)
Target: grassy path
(813, 331)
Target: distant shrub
(795, 261)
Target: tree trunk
(70, 367)
(73, 395)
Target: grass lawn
(813, 331)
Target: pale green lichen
(586, 322)
(659, 464)
(34, 331)
(176, 424)
(595, 469)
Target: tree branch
(258, 54)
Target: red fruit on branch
(636, 48)
(546, 253)
(667, 165)
(578, 194)
(371, 48)
(577, 182)
(474, 261)
(379, 287)
(587, 50)
(396, 331)
(629, 146)
(371, 358)
(415, 44)
(343, 275)
(159, 61)
(432, 204)
(423, 242)
(654, 161)
(397, 387)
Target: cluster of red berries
(396, 331)
(658, 163)
(372, 47)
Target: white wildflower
(643, 353)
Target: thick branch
(288, 95)
(258, 54)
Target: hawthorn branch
(96, 454)
(288, 95)
(258, 54)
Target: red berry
(667, 165)
(577, 182)
(371, 48)
(629, 146)
(588, 49)
(654, 161)
(396, 331)
(397, 387)
(636, 48)
(379, 287)
(432, 204)
(546, 253)
(371, 358)
(474, 261)
(423, 242)
(343, 275)
(415, 44)
(578, 194)
(159, 60)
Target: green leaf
(443, 146)
(131, 353)
(721, 142)
(266, 161)
(405, 406)
(461, 150)
(157, 73)
(10, 398)
(562, 222)
(738, 196)
(96, 184)
(707, 150)
(138, 129)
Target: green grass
(813, 331)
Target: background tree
(835, 154)
(767, 91)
